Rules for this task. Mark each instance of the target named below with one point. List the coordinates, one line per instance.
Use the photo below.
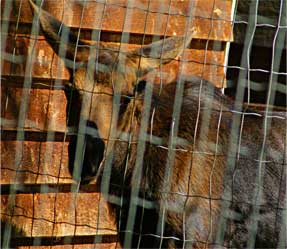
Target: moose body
(191, 203)
(178, 156)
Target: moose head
(105, 79)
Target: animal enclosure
(48, 139)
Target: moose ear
(55, 33)
(161, 52)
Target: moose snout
(86, 153)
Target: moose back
(189, 167)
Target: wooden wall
(38, 196)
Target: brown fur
(180, 186)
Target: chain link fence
(143, 124)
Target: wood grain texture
(31, 162)
(57, 214)
(45, 62)
(46, 109)
(210, 17)
(84, 246)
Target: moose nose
(85, 160)
(93, 157)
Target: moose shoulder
(182, 157)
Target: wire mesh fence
(115, 131)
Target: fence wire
(142, 150)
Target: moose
(181, 164)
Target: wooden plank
(45, 64)
(210, 17)
(37, 162)
(57, 214)
(202, 59)
(46, 109)
(84, 246)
